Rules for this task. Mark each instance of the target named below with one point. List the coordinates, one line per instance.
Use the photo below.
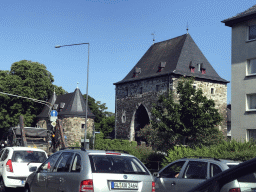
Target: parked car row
(93, 170)
(185, 174)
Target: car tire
(2, 186)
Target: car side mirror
(33, 169)
(156, 174)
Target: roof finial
(77, 85)
(187, 28)
(153, 37)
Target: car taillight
(153, 186)
(9, 166)
(86, 185)
(234, 190)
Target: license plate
(124, 185)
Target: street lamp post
(86, 102)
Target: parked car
(80, 170)
(244, 173)
(16, 165)
(184, 174)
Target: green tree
(107, 125)
(28, 79)
(190, 120)
(103, 120)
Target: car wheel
(2, 186)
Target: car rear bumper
(14, 181)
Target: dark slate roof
(240, 17)
(74, 106)
(178, 54)
(46, 110)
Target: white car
(16, 165)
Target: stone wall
(127, 104)
(218, 95)
(72, 127)
(130, 96)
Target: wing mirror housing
(156, 174)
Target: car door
(72, 179)
(194, 173)
(169, 176)
(60, 174)
(39, 183)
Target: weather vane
(187, 28)
(153, 37)
(77, 85)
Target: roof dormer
(192, 67)
(161, 66)
(137, 71)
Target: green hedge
(226, 150)
(131, 147)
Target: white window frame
(248, 134)
(248, 66)
(123, 117)
(248, 34)
(248, 102)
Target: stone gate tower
(158, 72)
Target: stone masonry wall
(72, 127)
(131, 95)
(218, 95)
(128, 103)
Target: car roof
(24, 148)
(98, 152)
(210, 159)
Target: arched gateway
(139, 120)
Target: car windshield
(117, 164)
(28, 156)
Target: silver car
(244, 174)
(80, 170)
(184, 174)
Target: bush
(225, 150)
(141, 152)
(154, 161)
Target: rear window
(28, 157)
(250, 178)
(117, 164)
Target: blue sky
(119, 33)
